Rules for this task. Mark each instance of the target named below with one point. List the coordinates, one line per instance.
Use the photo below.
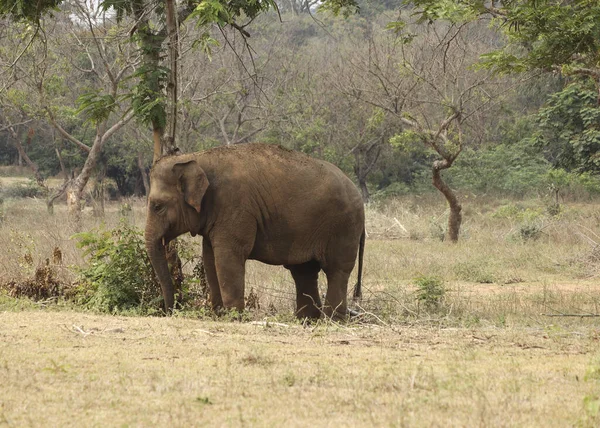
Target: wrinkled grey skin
(259, 202)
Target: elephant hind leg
(336, 299)
(306, 277)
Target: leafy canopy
(27, 10)
(541, 34)
(206, 11)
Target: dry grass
(485, 274)
(73, 369)
(489, 355)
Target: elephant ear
(192, 182)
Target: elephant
(260, 202)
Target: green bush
(430, 291)
(29, 189)
(119, 275)
(475, 271)
(511, 169)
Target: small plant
(437, 231)
(431, 291)
(203, 400)
(553, 209)
(125, 209)
(119, 275)
(475, 271)
(289, 379)
(530, 231)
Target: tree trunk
(98, 193)
(62, 164)
(75, 189)
(151, 43)
(172, 95)
(142, 168)
(455, 218)
(55, 195)
(364, 190)
(23, 155)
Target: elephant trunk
(156, 251)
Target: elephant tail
(361, 252)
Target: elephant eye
(158, 207)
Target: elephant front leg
(210, 269)
(230, 268)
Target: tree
(154, 22)
(569, 127)
(423, 76)
(561, 37)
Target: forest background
(365, 92)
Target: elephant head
(177, 187)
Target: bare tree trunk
(55, 195)
(76, 186)
(62, 164)
(455, 218)
(364, 190)
(172, 95)
(365, 158)
(169, 145)
(98, 193)
(62, 189)
(23, 155)
(142, 168)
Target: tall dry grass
(515, 260)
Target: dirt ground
(76, 369)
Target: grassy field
(75, 369)
(511, 341)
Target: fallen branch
(80, 330)
(269, 323)
(401, 227)
(572, 315)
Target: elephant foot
(308, 311)
(352, 313)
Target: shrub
(29, 189)
(119, 275)
(474, 271)
(43, 285)
(431, 291)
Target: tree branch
(65, 134)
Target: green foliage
(29, 189)
(541, 34)
(569, 127)
(27, 10)
(95, 106)
(530, 230)
(450, 10)
(430, 291)
(340, 7)
(148, 99)
(505, 169)
(407, 140)
(119, 275)
(121, 7)
(475, 271)
(206, 44)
